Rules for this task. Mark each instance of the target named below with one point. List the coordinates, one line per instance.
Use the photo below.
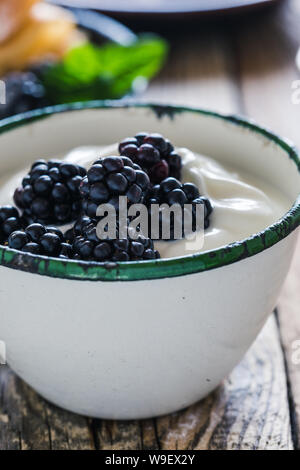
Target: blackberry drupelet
(77, 228)
(24, 91)
(154, 154)
(88, 246)
(171, 191)
(9, 222)
(40, 240)
(50, 192)
(109, 178)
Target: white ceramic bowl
(142, 339)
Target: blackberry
(88, 246)
(9, 222)
(171, 191)
(154, 154)
(50, 192)
(40, 240)
(24, 91)
(109, 178)
(77, 228)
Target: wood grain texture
(199, 72)
(266, 68)
(289, 321)
(27, 422)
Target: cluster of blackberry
(147, 171)
(186, 195)
(9, 222)
(24, 91)
(40, 240)
(171, 191)
(88, 246)
(154, 154)
(109, 178)
(50, 192)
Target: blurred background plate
(167, 7)
(103, 27)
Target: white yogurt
(243, 205)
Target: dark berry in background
(171, 191)
(24, 91)
(40, 240)
(109, 178)
(77, 228)
(154, 154)
(50, 192)
(9, 222)
(87, 246)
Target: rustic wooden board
(199, 72)
(27, 422)
(289, 321)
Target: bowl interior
(238, 143)
(224, 140)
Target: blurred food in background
(12, 14)
(172, 9)
(34, 31)
(46, 58)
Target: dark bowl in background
(187, 9)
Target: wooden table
(246, 67)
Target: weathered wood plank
(289, 321)
(199, 72)
(27, 422)
(126, 435)
(114, 435)
(266, 52)
(23, 421)
(149, 435)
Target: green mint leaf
(108, 72)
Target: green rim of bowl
(154, 269)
